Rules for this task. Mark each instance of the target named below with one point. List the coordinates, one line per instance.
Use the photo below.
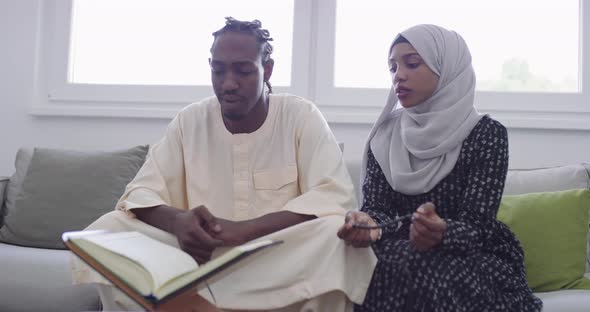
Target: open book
(148, 270)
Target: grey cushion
(553, 179)
(63, 191)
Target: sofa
(35, 275)
(52, 191)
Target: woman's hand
(358, 237)
(427, 228)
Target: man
(242, 165)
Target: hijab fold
(417, 147)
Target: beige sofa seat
(38, 279)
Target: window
(148, 58)
(164, 42)
(514, 47)
(528, 56)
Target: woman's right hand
(358, 237)
(427, 228)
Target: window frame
(59, 97)
(312, 76)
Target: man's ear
(268, 66)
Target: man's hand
(232, 233)
(199, 232)
(192, 229)
(427, 228)
(358, 237)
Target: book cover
(151, 272)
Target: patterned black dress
(479, 264)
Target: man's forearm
(273, 222)
(161, 216)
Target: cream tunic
(293, 163)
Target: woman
(438, 166)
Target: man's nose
(229, 82)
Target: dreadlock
(254, 28)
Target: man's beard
(233, 116)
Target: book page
(211, 266)
(126, 269)
(162, 261)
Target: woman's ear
(268, 66)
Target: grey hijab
(417, 147)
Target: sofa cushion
(21, 163)
(552, 228)
(561, 178)
(65, 190)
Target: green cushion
(552, 228)
(66, 190)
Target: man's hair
(255, 29)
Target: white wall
(18, 54)
(529, 148)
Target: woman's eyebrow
(411, 55)
(406, 56)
